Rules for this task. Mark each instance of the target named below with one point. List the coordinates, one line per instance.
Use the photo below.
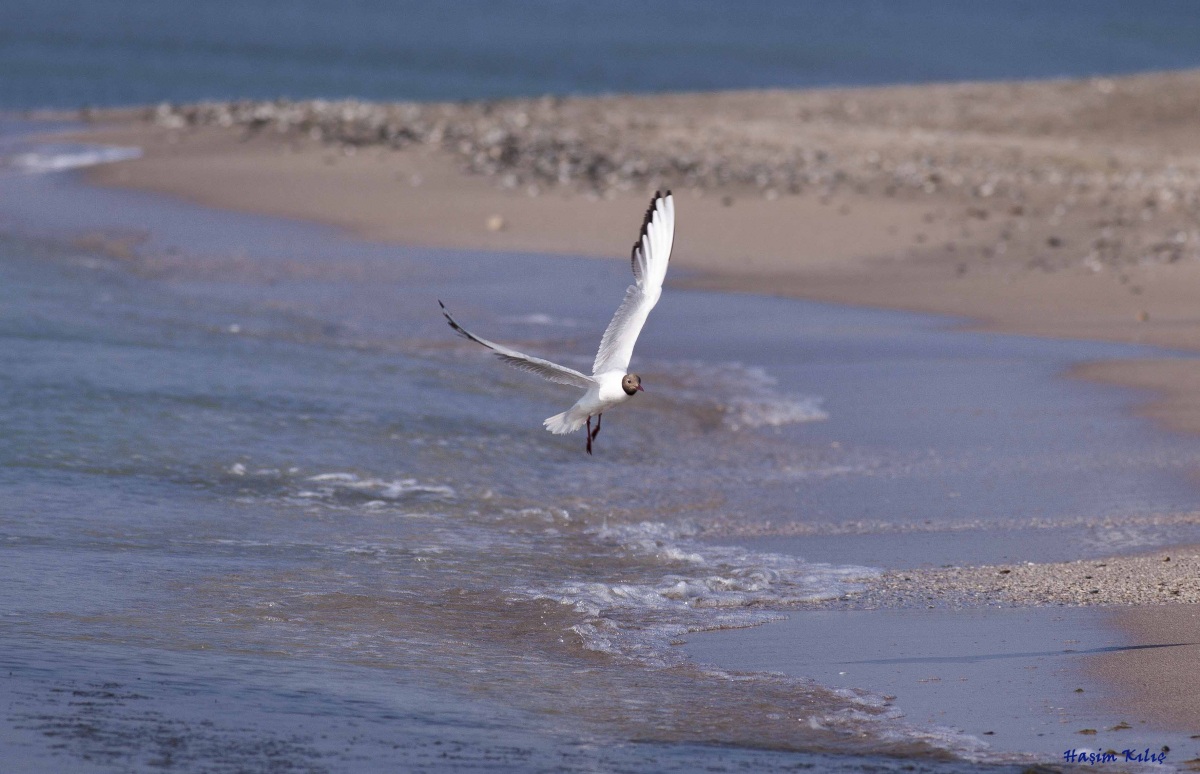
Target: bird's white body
(603, 395)
(610, 383)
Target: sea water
(259, 504)
(64, 54)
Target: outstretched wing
(650, 255)
(534, 365)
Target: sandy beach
(1062, 208)
(1059, 208)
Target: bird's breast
(610, 390)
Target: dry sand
(1062, 208)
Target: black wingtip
(454, 324)
(646, 226)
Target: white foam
(347, 477)
(538, 318)
(376, 488)
(334, 487)
(698, 587)
(774, 411)
(759, 403)
(746, 396)
(824, 471)
(61, 158)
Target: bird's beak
(640, 388)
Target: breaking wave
(744, 396)
(60, 158)
(686, 585)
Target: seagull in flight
(610, 383)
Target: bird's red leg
(589, 435)
(596, 432)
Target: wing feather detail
(523, 362)
(649, 259)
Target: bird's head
(632, 383)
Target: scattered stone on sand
(1133, 580)
(1058, 168)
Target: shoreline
(1028, 255)
(919, 198)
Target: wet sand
(1064, 209)
(1020, 679)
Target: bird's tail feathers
(567, 422)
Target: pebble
(1136, 580)
(796, 143)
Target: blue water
(60, 53)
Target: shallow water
(255, 496)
